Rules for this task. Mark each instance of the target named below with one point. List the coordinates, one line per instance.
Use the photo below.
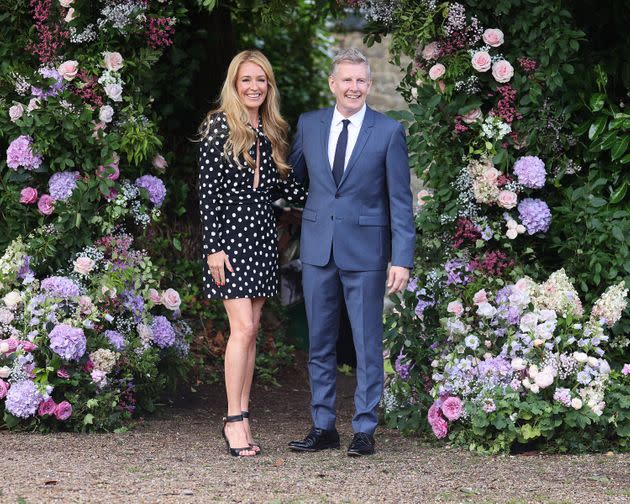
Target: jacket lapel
(364, 133)
(325, 134)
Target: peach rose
(68, 69)
(171, 299)
(507, 199)
(493, 37)
(502, 71)
(431, 51)
(83, 265)
(481, 61)
(113, 61)
(436, 71)
(472, 116)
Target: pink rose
(98, 126)
(437, 71)
(16, 111)
(83, 265)
(70, 15)
(434, 413)
(113, 194)
(99, 377)
(502, 71)
(114, 91)
(112, 170)
(452, 408)
(85, 304)
(4, 387)
(423, 195)
(171, 299)
(63, 373)
(491, 175)
(455, 307)
(113, 61)
(46, 204)
(27, 346)
(63, 411)
(507, 199)
(68, 69)
(66, 3)
(33, 104)
(155, 297)
(472, 116)
(12, 344)
(47, 407)
(481, 61)
(493, 37)
(480, 297)
(28, 195)
(440, 428)
(159, 163)
(431, 51)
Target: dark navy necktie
(340, 153)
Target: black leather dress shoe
(362, 444)
(317, 439)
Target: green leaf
(597, 127)
(177, 244)
(618, 233)
(530, 432)
(619, 193)
(620, 148)
(88, 419)
(597, 101)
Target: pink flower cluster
(448, 408)
(527, 64)
(61, 411)
(492, 263)
(50, 38)
(465, 231)
(506, 108)
(160, 33)
(88, 90)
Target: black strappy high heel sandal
(254, 445)
(235, 452)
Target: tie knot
(345, 123)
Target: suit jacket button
(332, 217)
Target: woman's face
(251, 85)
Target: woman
(243, 168)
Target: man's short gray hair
(351, 55)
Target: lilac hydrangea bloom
(116, 339)
(530, 171)
(23, 399)
(163, 332)
(412, 285)
(455, 272)
(135, 304)
(562, 395)
(20, 153)
(67, 341)
(421, 306)
(60, 286)
(155, 188)
(61, 185)
(535, 215)
(54, 89)
(25, 272)
(402, 368)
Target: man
(358, 215)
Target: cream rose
(507, 200)
(437, 71)
(576, 403)
(12, 299)
(502, 71)
(431, 51)
(544, 378)
(493, 37)
(113, 61)
(171, 299)
(518, 364)
(16, 111)
(472, 116)
(580, 357)
(481, 61)
(68, 69)
(4, 347)
(106, 113)
(5, 371)
(83, 265)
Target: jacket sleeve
(211, 172)
(296, 158)
(290, 189)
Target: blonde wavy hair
(241, 136)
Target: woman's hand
(217, 263)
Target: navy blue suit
(349, 234)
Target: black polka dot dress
(237, 218)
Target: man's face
(351, 86)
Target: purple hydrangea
(54, 89)
(421, 306)
(67, 341)
(60, 286)
(562, 395)
(163, 332)
(530, 171)
(535, 215)
(154, 186)
(412, 285)
(402, 368)
(116, 339)
(61, 185)
(23, 399)
(25, 272)
(455, 272)
(20, 153)
(135, 304)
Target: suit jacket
(368, 219)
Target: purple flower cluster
(535, 215)
(455, 272)
(562, 395)
(530, 171)
(60, 286)
(23, 399)
(67, 341)
(163, 332)
(61, 185)
(402, 368)
(54, 89)
(135, 304)
(20, 153)
(154, 186)
(116, 339)
(421, 306)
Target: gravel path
(179, 456)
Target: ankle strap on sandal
(245, 414)
(233, 418)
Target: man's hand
(217, 264)
(397, 279)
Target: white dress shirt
(336, 127)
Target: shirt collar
(355, 119)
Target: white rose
(113, 61)
(535, 388)
(580, 357)
(533, 370)
(486, 310)
(83, 265)
(576, 403)
(4, 347)
(106, 113)
(6, 317)
(414, 93)
(114, 92)
(604, 367)
(5, 371)
(435, 363)
(511, 234)
(526, 383)
(12, 299)
(16, 111)
(593, 362)
(520, 229)
(171, 299)
(544, 378)
(518, 364)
